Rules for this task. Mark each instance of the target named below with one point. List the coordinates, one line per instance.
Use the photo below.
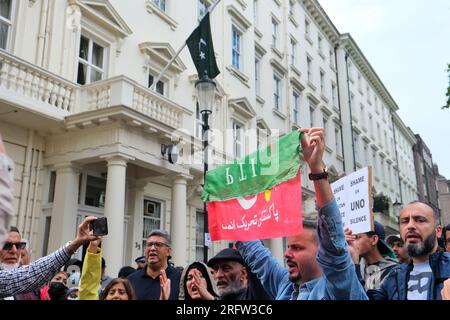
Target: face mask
(57, 291)
(73, 280)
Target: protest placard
(353, 194)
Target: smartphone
(99, 226)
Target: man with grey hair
(158, 280)
(423, 277)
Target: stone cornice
(360, 60)
(322, 20)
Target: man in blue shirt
(319, 262)
(157, 273)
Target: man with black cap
(376, 256)
(140, 262)
(397, 245)
(234, 281)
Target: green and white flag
(259, 196)
(201, 47)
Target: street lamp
(396, 206)
(206, 89)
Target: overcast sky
(407, 42)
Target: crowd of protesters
(324, 262)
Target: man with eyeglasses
(11, 250)
(158, 280)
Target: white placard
(354, 197)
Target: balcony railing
(29, 83)
(30, 86)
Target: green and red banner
(258, 196)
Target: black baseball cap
(226, 254)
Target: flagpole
(152, 87)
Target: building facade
(86, 131)
(426, 174)
(443, 188)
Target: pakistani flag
(200, 46)
(259, 196)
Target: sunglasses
(19, 245)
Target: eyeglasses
(19, 245)
(157, 245)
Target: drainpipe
(25, 182)
(42, 34)
(336, 47)
(350, 107)
(34, 208)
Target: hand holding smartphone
(99, 226)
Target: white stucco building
(86, 132)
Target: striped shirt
(33, 276)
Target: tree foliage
(381, 203)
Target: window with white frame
(95, 191)
(325, 128)
(332, 61)
(276, 92)
(160, 4)
(6, 12)
(311, 117)
(362, 115)
(309, 68)
(159, 86)
(238, 139)
(337, 135)
(236, 48)
(334, 94)
(319, 43)
(257, 77)
(307, 27)
(371, 125)
(153, 218)
(293, 52)
(274, 33)
(356, 147)
(202, 9)
(296, 107)
(359, 82)
(291, 7)
(91, 61)
(322, 82)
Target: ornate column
(113, 245)
(65, 206)
(178, 221)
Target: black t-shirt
(148, 288)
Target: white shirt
(419, 281)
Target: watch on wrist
(318, 176)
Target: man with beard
(234, 281)
(159, 280)
(318, 259)
(423, 277)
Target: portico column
(178, 221)
(65, 204)
(115, 213)
(276, 247)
